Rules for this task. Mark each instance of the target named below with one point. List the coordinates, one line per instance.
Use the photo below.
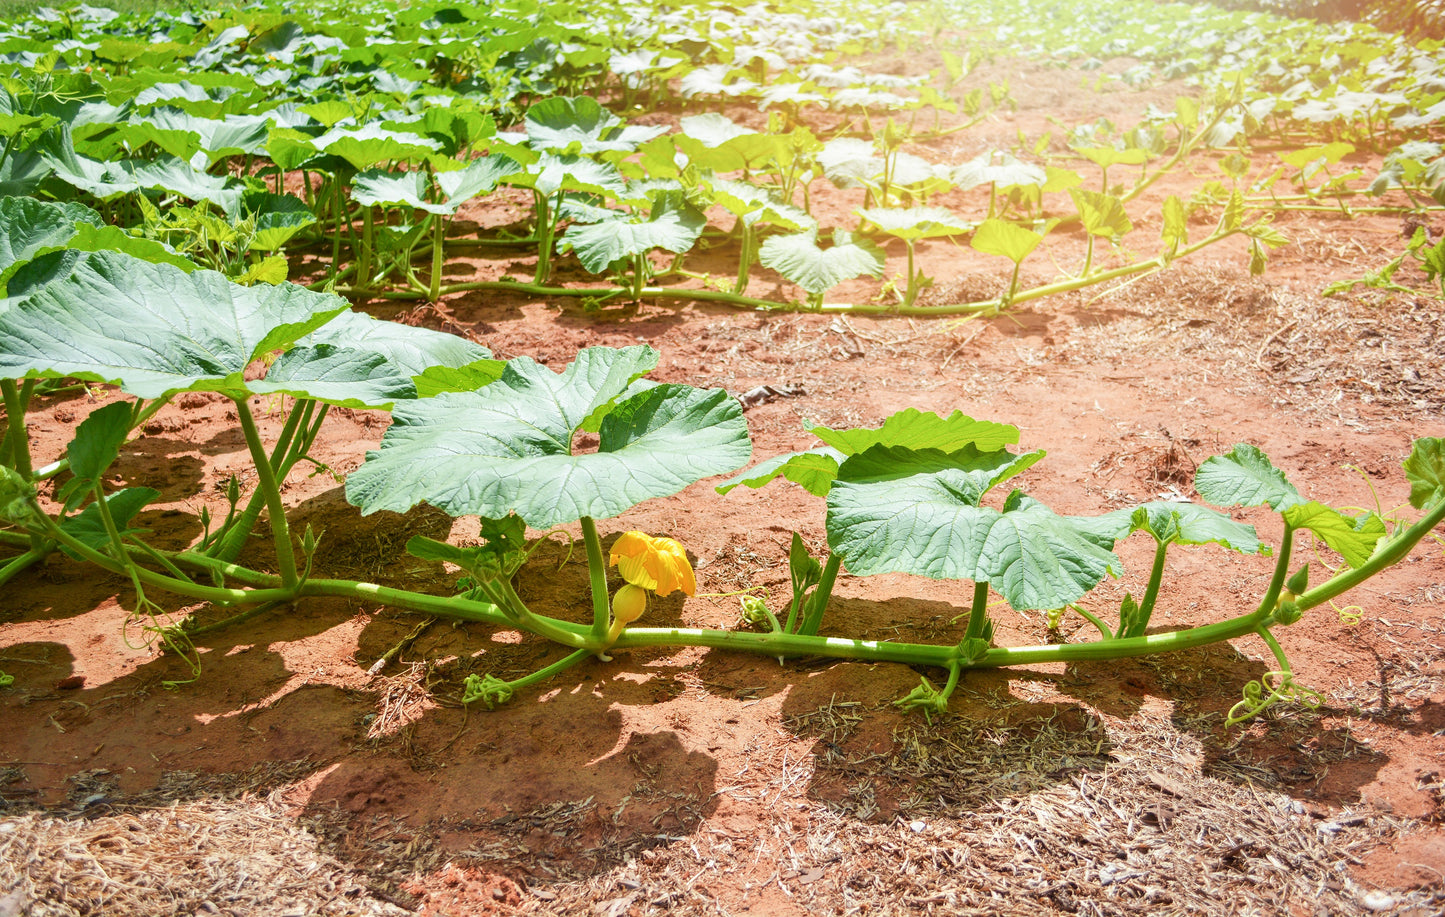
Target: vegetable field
(953, 457)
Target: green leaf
(814, 471)
(1190, 523)
(915, 222)
(754, 205)
(582, 125)
(152, 329)
(1106, 156)
(272, 269)
(1353, 538)
(509, 446)
(29, 228)
(278, 217)
(502, 552)
(1176, 224)
(96, 445)
(552, 173)
(1101, 214)
(673, 226)
(375, 186)
(1329, 153)
(411, 350)
(357, 379)
(817, 270)
(1425, 469)
(1000, 169)
(90, 238)
(1005, 239)
(895, 511)
(1245, 476)
(915, 429)
(372, 145)
(88, 528)
(467, 378)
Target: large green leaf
(895, 511)
(410, 349)
(581, 125)
(29, 227)
(911, 428)
(509, 447)
(1245, 476)
(673, 226)
(153, 329)
(817, 270)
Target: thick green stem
(978, 614)
(232, 540)
(822, 594)
(546, 227)
(439, 232)
(745, 259)
(16, 449)
(271, 489)
(597, 572)
(17, 565)
(1151, 591)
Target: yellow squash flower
(656, 564)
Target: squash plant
(476, 437)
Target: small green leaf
(1005, 239)
(1101, 214)
(1425, 469)
(1354, 539)
(814, 471)
(1176, 224)
(88, 528)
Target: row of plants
(239, 140)
(475, 436)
